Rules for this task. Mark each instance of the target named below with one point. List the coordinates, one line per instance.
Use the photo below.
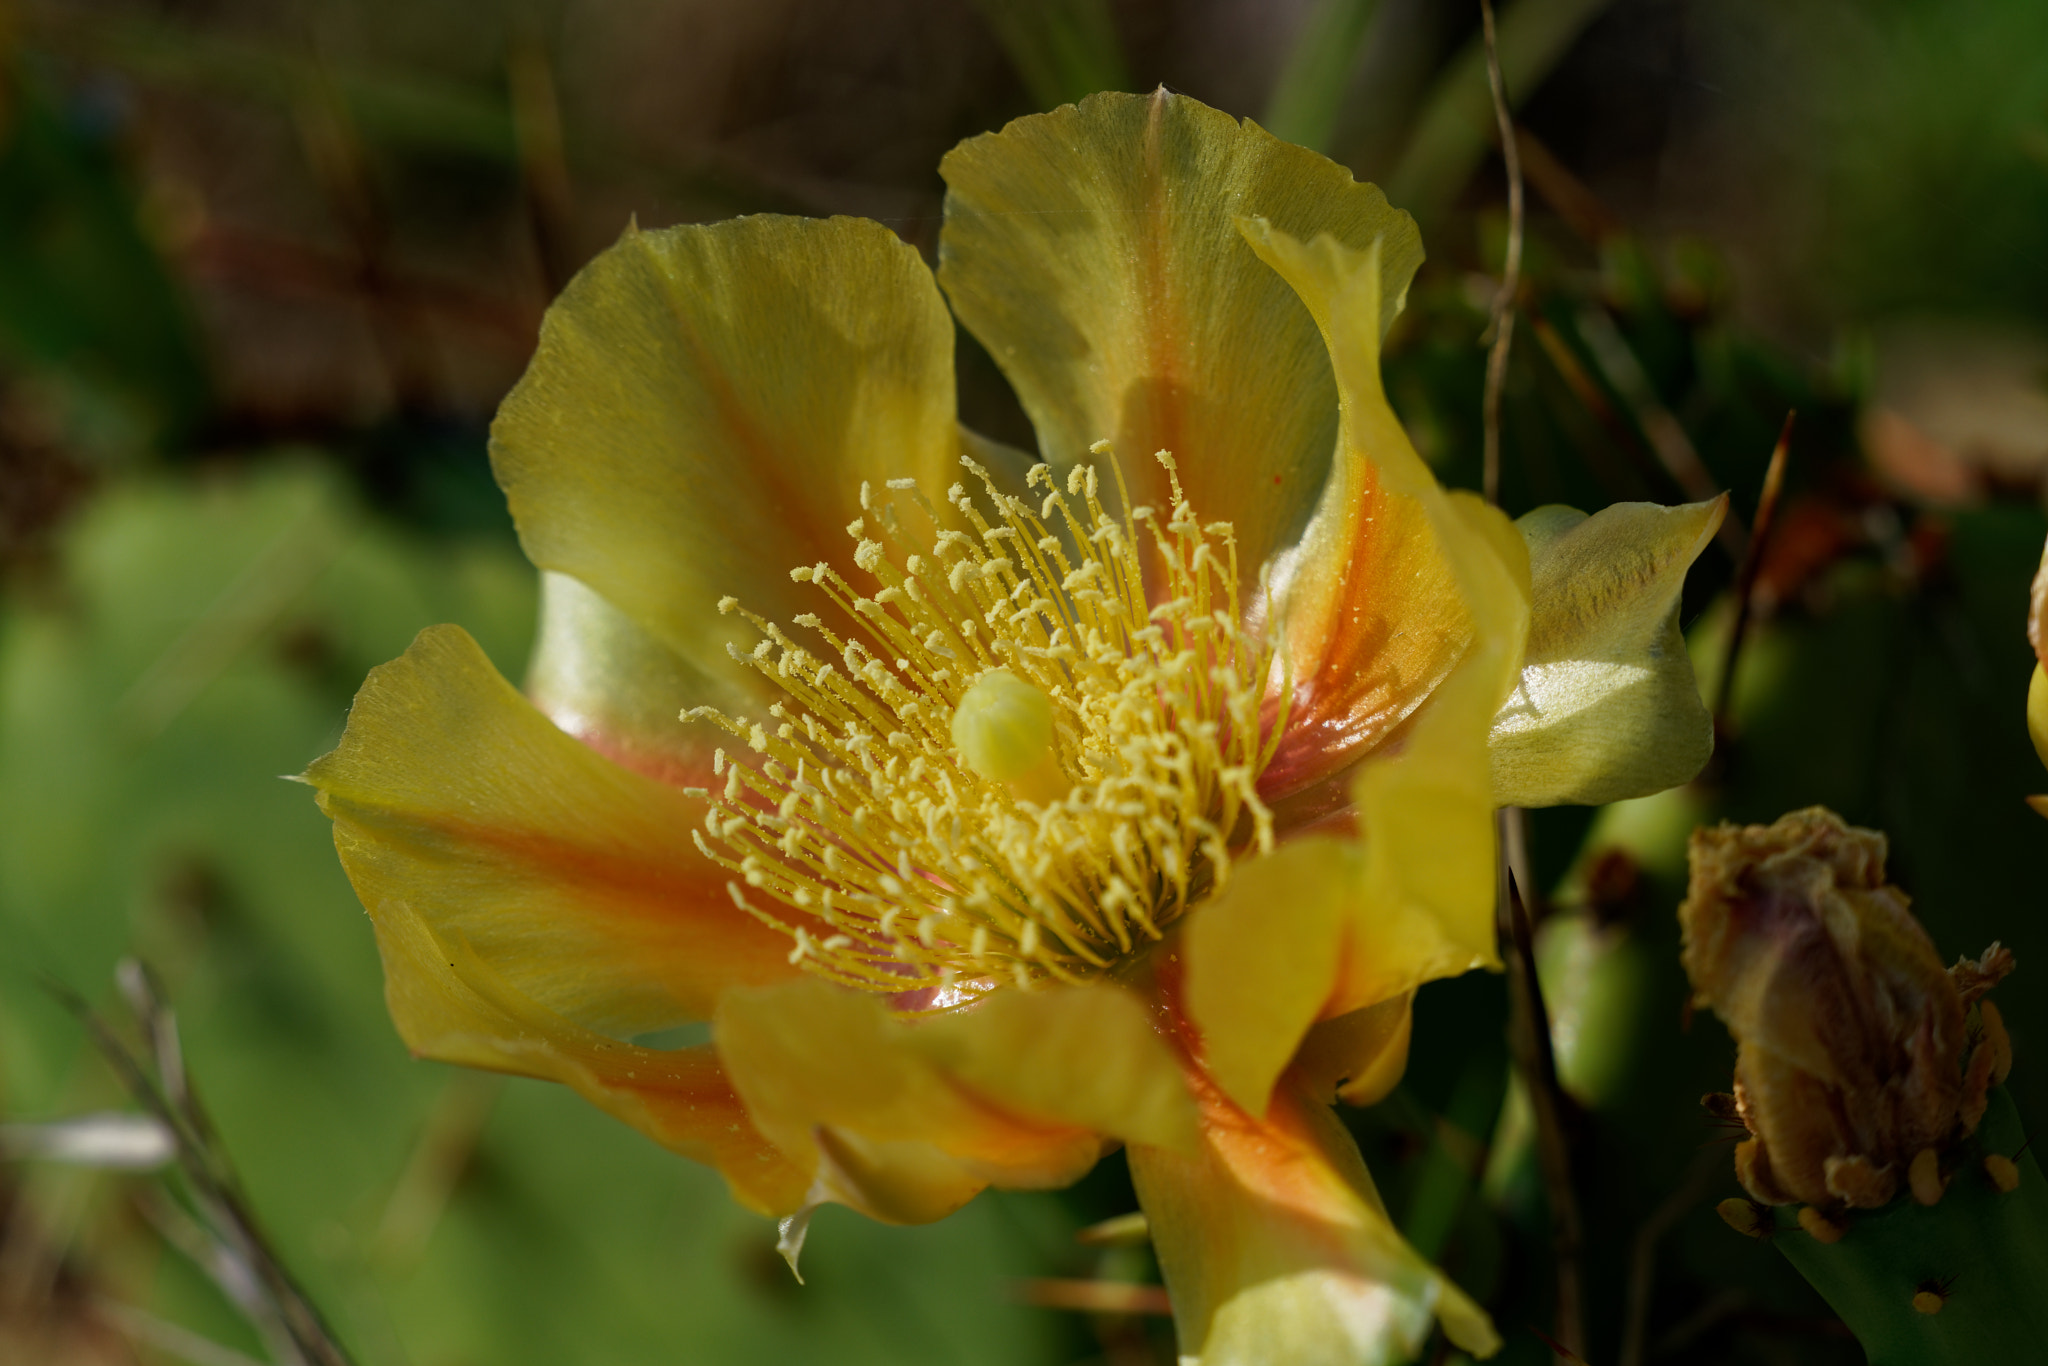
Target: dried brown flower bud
(1854, 1052)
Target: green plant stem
(1457, 121)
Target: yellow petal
(1425, 812)
(1395, 581)
(2037, 712)
(1019, 1090)
(1606, 708)
(621, 691)
(455, 802)
(704, 407)
(1373, 624)
(1426, 818)
(450, 1005)
(1093, 251)
(1085, 1055)
(1358, 1056)
(1325, 927)
(1276, 1248)
(1264, 958)
(1415, 900)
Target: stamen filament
(893, 863)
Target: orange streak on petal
(1375, 624)
(1272, 1239)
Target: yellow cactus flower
(2037, 691)
(1107, 797)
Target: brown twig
(1568, 196)
(1502, 326)
(1095, 1297)
(339, 161)
(543, 159)
(1531, 1025)
(1747, 569)
(1529, 1040)
(446, 1145)
(1666, 434)
(1562, 1352)
(241, 1259)
(1643, 1254)
(1642, 474)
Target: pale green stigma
(1003, 726)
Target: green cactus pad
(1985, 1253)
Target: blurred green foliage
(85, 297)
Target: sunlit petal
(1607, 707)
(455, 803)
(1362, 923)
(704, 407)
(609, 682)
(1264, 959)
(1094, 251)
(1437, 788)
(1276, 1247)
(1395, 581)
(1292, 941)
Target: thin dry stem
(1642, 1271)
(1529, 1040)
(1503, 324)
(238, 1256)
(1746, 574)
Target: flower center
(1024, 769)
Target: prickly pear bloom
(1857, 1063)
(2037, 691)
(997, 810)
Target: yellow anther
(1822, 1228)
(1003, 726)
(1924, 1176)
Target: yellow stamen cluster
(894, 863)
